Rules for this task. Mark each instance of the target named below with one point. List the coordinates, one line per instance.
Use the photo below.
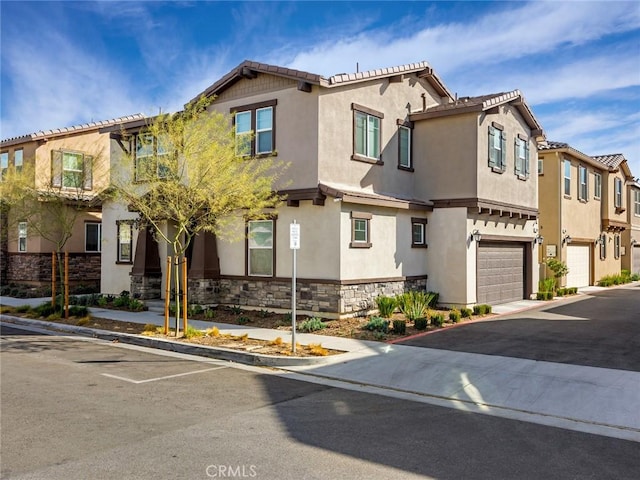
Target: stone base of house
(146, 287)
(35, 269)
(326, 298)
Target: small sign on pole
(294, 244)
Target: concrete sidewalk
(589, 399)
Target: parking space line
(124, 379)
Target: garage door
(579, 266)
(635, 266)
(500, 272)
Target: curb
(219, 353)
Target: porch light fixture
(633, 242)
(539, 239)
(566, 239)
(475, 235)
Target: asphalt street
(602, 330)
(76, 408)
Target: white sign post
(294, 245)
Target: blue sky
(577, 63)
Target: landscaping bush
(194, 309)
(121, 302)
(191, 332)
(209, 313)
(311, 325)
(243, 320)
(386, 305)
(420, 323)
(78, 311)
(454, 315)
(466, 312)
(415, 304)
(484, 309)
(22, 309)
(561, 292)
(399, 327)
(377, 324)
(46, 309)
(136, 305)
(437, 319)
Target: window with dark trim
(367, 133)
(22, 236)
(567, 178)
(152, 157)
(18, 160)
(405, 140)
(71, 169)
(616, 246)
(419, 232)
(583, 186)
(125, 241)
(260, 248)
(92, 237)
(617, 185)
(360, 230)
(522, 157)
(597, 186)
(603, 246)
(255, 128)
(497, 147)
(540, 166)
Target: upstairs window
(636, 202)
(71, 170)
(404, 148)
(497, 148)
(125, 241)
(617, 191)
(540, 166)
(93, 237)
(583, 190)
(366, 134)
(22, 236)
(597, 186)
(258, 119)
(522, 157)
(4, 164)
(567, 178)
(616, 246)
(260, 247)
(18, 160)
(603, 246)
(152, 157)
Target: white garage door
(500, 272)
(635, 266)
(579, 266)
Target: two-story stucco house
(582, 211)
(631, 236)
(395, 185)
(70, 163)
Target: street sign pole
(294, 244)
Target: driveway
(600, 329)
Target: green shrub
(78, 311)
(466, 312)
(484, 309)
(547, 285)
(46, 309)
(265, 313)
(121, 302)
(420, 323)
(236, 310)
(386, 305)
(415, 304)
(23, 309)
(209, 313)
(399, 327)
(136, 305)
(311, 325)
(437, 319)
(102, 302)
(574, 290)
(635, 277)
(548, 295)
(242, 320)
(454, 315)
(541, 296)
(377, 324)
(194, 310)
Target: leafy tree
(559, 269)
(187, 175)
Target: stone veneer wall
(313, 296)
(35, 268)
(146, 287)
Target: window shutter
(87, 166)
(503, 153)
(56, 168)
(492, 151)
(526, 158)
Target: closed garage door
(635, 266)
(500, 272)
(579, 266)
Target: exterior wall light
(566, 239)
(475, 235)
(539, 239)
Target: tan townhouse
(582, 211)
(395, 184)
(631, 236)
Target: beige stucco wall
(549, 205)
(608, 195)
(632, 233)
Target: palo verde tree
(183, 176)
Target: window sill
(264, 155)
(582, 200)
(118, 262)
(620, 209)
(524, 178)
(360, 158)
(406, 169)
(360, 245)
(421, 245)
(568, 197)
(497, 170)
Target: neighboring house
(631, 236)
(582, 211)
(383, 164)
(69, 163)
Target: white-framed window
(4, 164)
(583, 185)
(92, 237)
(260, 247)
(636, 202)
(125, 241)
(151, 157)
(617, 189)
(22, 236)
(71, 170)
(18, 160)
(567, 177)
(404, 147)
(522, 157)
(360, 230)
(597, 186)
(258, 118)
(367, 130)
(418, 232)
(497, 148)
(540, 166)
(616, 246)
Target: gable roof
(611, 162)
(483, 103)
(58, 132)
(250, 69)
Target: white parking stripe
(159, 378)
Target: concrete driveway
(600, 329)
